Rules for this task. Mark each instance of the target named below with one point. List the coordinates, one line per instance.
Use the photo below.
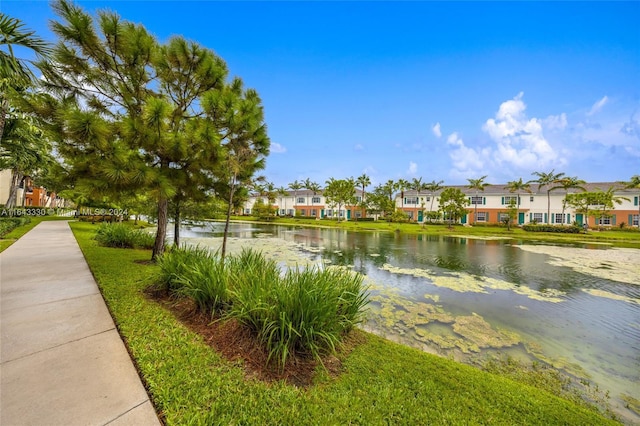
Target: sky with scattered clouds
(437, 90)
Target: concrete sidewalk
(62, 361)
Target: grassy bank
(381, 382)
(18, 232)
(619, 238)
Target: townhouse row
(489, 206)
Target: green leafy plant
(123, 236)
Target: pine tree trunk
(176, 227)
(223, 251)
(158, 247)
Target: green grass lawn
(620, 238)
(382, 382)
(18, 232)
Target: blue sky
(443, 91)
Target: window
(300, 200)
(558, 218)
(476, 200)
(411, 200)
(428, 198)
(341, 213)
(358, 213)
(315, 200)
(358, 198)
(531, 199)
(282, 212)
(508, 199)
(291, 212)
(634, 220)
(604, 221)
(247, 211)
(503, 217)
(314, 212)
(329, 213)
(481, 216)
(303, 212)
(537, 217)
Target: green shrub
(10, 223)
(552, 228)
(305, 311)
(174, 265)
(123, 236)
(204, 280)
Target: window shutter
(613, 219)
(568, 218)
(545, 218)
(503, 201)
(530, 217)
(635, 201)
(518, 200)
(630, 221)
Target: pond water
(576, 307)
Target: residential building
(28, 194)
(533, 207)
(306, 203)
(492, 205)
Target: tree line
(453, 203)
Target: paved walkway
(62, 361)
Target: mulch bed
(236, 342)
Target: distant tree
(418, 186)
(453, 204)
(568, 183)
(340, 192)
(605, 201)
(548, 180)
(433, 187)
(25, 150)
(511, 214)
(517, 187)
(313, 187)
(477, 185)
(362, 182)
(634, 183)
(380, 200)
(402, 185)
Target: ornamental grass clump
(306, 311)
(196, 273)
(119, 235)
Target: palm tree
(14, 72)
(418, 186)
(567, 183)
(363, 181)
(401, 185)
(634, 183)
(548, 180)
(313, 187)
(479, 185)
(295, 186)
(433, 187)
(283, 193)
(518, 186)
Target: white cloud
(358, 147)
(413, 168)
(276, 148)
(598, 105)
(555, 122)
(436, 130)
(520, 141)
